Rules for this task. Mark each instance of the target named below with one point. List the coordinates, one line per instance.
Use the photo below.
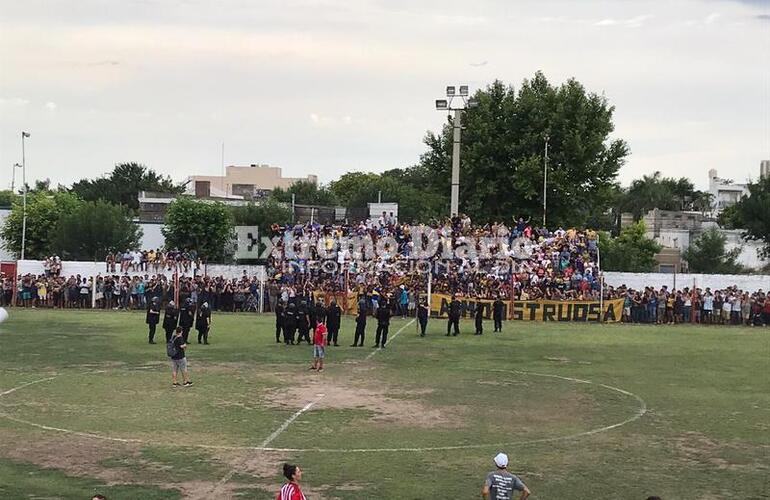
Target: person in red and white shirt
(291, 490)
(319, 347)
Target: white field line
(640, 412)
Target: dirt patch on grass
(407, 411)
(700, 449)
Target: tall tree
(664, 193)
(752, 213)
(305, 193)
(198, 225)
(502, 154)
(123, 184)
(43, 212)
(262, 214)
(94, 228)
(632, 251)
(707, 254)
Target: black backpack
(171, 349)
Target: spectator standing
(176, 351)
(319, 347)
(500, 484)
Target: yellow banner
(534, 310)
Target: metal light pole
(545, 179)
(24, 198)
(446, 105)
(13, 176)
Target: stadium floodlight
(450, 91)
(463, 90)
(473, 102)
(442, 104)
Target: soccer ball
(3, 314)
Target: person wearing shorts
(500, 484)
(319, 347)
(179, 360)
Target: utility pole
(446, 105)
(24, 198)
(545, 179)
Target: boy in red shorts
(319, 346)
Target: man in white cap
(500, 484)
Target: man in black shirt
(170, 320)
(319, 314)
(497, 314)
(203, 323)
(333, 320)
(153, 317)
(358, 340)
(383, 323)
(303, 322)
(478, 316)
(422, 317)
(186, 318)
(279, 317)
(290, 323)
(454, 317)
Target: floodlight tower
(446, 105)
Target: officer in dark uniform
(478, 317)
(303, 322)
(358, 340)
(203, 323)
(279, 316)
(333, 320)
(186, 318)
(454, 317)
(290, 323)
(153, 317)
(497, 313)
(170, 320)
(422, 317)
(383, 323)
(319, 314)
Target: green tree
(199, 225)
(7, 197)
(707, 254)
(632, 251)
(44, 210)
(92, 229)
(664, 193)
(503, 153)
(123, 184)
(356, 189)
(262, 214)
(305, 193)
(752, 213)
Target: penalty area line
(371, 354)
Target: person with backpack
(175, 350)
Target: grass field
(679, 412)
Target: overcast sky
(329, 86)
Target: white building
(725, 192)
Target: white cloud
(50, 106)
(712, 17)
(633, 22)
(13, 102)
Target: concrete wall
(638, 281)
(73, 268)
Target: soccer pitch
(583, 411)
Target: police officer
(454, 317)
(290, 323)
(478, 316)
(186, 318)
(383, 323)
(303, 322)
(153, 317)
(333, 320)
(422, 317)
(279, 312)
(319, 314)
(497, 313)
(170, 320)
(203, 323)
(358, 340)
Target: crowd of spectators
(521, 262)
